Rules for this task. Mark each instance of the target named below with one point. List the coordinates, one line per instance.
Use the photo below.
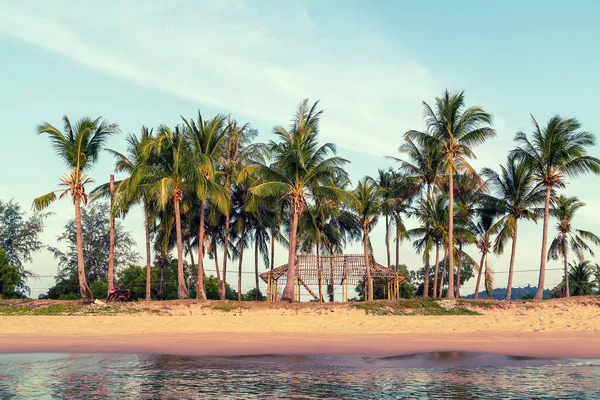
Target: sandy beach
(553, 328)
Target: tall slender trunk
(162, 284)
(397, 222)
(148, 254)
(200, 286)
(476, 296)
(444, 266)
(436, 270)
(272, 251)
(289, 290)
(225, 248)
(540, 290)
(242, 245)
(369, 294)
(111, 240)
(460, 265)
(450, 294)
(182, 289)
(256, 288)
(387, 240)
(426, 281)
(511, 267)
(567, 289)
(217, 269)
(86, 294)
(189, 246)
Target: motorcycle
(117, 295)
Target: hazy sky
(370, 63)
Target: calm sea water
(421, 376)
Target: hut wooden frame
(345, 270)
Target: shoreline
(580, 345)
(565, 328)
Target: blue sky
(370, 63)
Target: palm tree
(237, 151)
(581, 275)
(384, 183)
(483, 228)
(424, 165)
(128, 193)
(207, 140)
(432, 233)
(169, 178)
(564, 209)
(516, 197)
(367, 208)
(555, 152)
(79, 147)
(300, 168)
(454, 130)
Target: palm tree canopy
(557, 150)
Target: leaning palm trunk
(217, 268)
(426, 282)
(450, 293)
(540, 290)
(148, 254)
(239, 280)
(225, 245)
(460, 265)
(288, 291)
(511, 268)
(436, 270)
(182, 289)
(200, 288)
(369, 294)
(256, 292)
(111, 240)
(476, 296)
(86, 293)
(387, 240)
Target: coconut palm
(207, 139)
(384, 183)
(483, 229)
(564, 209)
(454, 130)
(79, 147)
(236, 153)
(300, 169)
(424, 163)
(581, 277)
(367, 208)
(432, 233)
(554, 153)
(516, 196)
(169, 178)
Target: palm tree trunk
(200, 287)
(460, 265)
(444, 265)
(476, 296)
(511, 267)
(217, 268)
(182, 289)
(148, 254)
(387, 240)
(162, 285)
(84, 289)
(567, 289)
(397, 222)
(189, 246)
(426, 281)
(436, 270)
(369, 294)
(256, 290)
(225, 249)
(239, 280)
(272, 251)
(540, 290)
(450, 294)
(111, 240)
(289, 290)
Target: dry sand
(554, 328)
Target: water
(421, 376)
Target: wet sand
(562, 328)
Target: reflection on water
(427, 376)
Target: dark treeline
(211, 194)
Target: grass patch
(488, 304)
(228, 307)
(410, 307)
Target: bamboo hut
(345, 270)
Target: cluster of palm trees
(207, 188)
